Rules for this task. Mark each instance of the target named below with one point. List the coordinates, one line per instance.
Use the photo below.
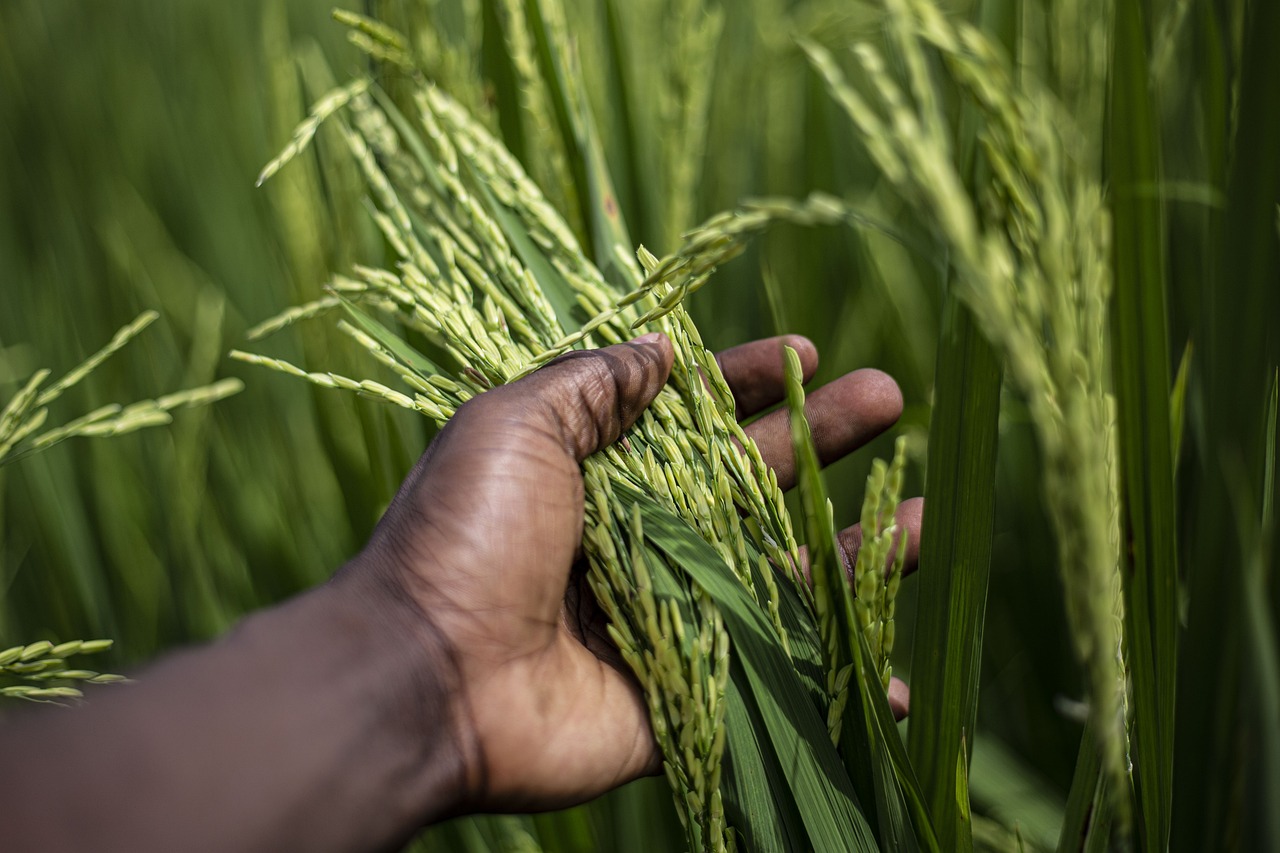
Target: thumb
(590, 397)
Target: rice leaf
(410, 137)
(1101, 830)
(1141, 371)
(962, 791)
(955, 547)
(1263, 682)
(955, 560)
(633, 193)
(909, 796)
(1237, 350)
(1081, 814)
(1269, 457)
(1178, 403)
(774, 300)
(758, 800)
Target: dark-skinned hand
(483, 537)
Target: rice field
(1057, 225)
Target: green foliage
(1141, 358)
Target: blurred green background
(130, 137)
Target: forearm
(319, 725)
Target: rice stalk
(544, 147)
(25, 414)
(877, 588)
(691, 32)
(1031, 261)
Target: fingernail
(651, 338)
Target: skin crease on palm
(484, 539)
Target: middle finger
(843, 415)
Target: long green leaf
(878, 718)
(1102, 827)
(757, 798)
(553, 285)
(1217, 799)
(955, 560)
(1080, 813)
(1142, 386)
(1263, 683)
(623, 137)
(1178, 404)
(1269, 451)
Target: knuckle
(597, 389)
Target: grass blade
(1237, 351)
(407, 355)
(1141, 371)
(633, 194)
(1178, 404)
(557, 290)
(1081, 808)
(753, 779)
(1263, 682)
(955, 559)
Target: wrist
(410, 673)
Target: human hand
(482, 539)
